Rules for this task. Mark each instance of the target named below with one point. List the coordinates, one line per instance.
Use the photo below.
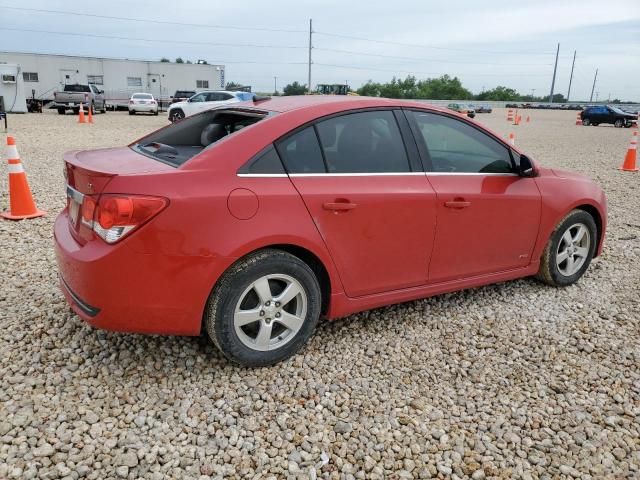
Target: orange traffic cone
(512, 139)
(578, 119)
(90, 116)
(629, 164)
(81, 114)
(20, 199)
(509, 115)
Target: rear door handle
(457, 204)
(339, 206)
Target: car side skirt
(341, 305)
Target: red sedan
(251, 221)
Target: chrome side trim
(439, 174)
(381, 174)
(262, 175)
(386, 174)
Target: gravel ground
(516, 380)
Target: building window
(30, 76)
(202, 83)
(95, 79)
(134, 81)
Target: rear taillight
(131, 102)
(115, 216)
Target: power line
(363, 39)
(146, 20)
(427, 59)
(413, 72)
(153, 40)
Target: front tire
(586, 122)
(619, 123)
(569, 251)
(263, 309)
(176, 115)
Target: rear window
(144, 96)
(77, 88)
(181, 141)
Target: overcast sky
(485, 43)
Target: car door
(196, 103)
(368, 198)
(487, 216)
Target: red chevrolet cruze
(251, 221)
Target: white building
(117, 77)
(12, 95)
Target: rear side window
(456, 147)
(301, 153)
(266, 162)
(366, 142)
(77, 88)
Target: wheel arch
(309, 257)
(597, 217)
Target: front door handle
(457, 203)
(339, 206)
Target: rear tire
(61, 111)
(244, 318)
(569, 250)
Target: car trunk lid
(88, 173)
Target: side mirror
(525, 167)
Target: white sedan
(142, 102)
(204, 101)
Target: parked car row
(463, 109)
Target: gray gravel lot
(516, 380)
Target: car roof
(339, 102)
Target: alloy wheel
(270, 312)
(573, 249)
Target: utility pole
(571, 77)
(553, 82)
(533, 93)
(310, 47)
(594, 85)
(275, 84)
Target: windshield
(617, 110)
(183, 140)
(77, 88)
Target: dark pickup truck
(606, 114)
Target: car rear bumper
(113, 287)
(143, 107)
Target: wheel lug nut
(262, 313)
(267, 303)
(277, 304)
(278, 315)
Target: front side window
(201, 97)
(301, 153)
(366, 142)
(457, 147)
